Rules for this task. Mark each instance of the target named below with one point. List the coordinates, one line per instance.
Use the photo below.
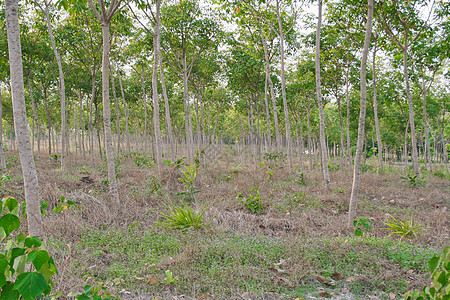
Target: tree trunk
(127, 129)
(362, 119)
(375, 112)
(107, 118)
(323, 147)
(116, 102)
(2, 153)
(349, 145)
(156, 123)
(308, 123)
(414, 154)
(61, 86)
(166, 106)
(31, 185)
(187, 114)
(272, 93)
(283, 93)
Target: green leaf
(434, 263)
(11, 204)
(3, 265)
(38, 258)
(33, 241)
(15, 252)
(21, 238)
(58, 209)
(30, 285)
(2, 280)
(9, 223)
(358, 232)
(8, 292)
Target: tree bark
(30, 178)
(2, 153)
(375, 112)
(362, 119)
(283, 93)
(323, 146)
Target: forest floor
(297, 246)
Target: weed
(177, 164)
(169, 278)
(142, 161)
(55, 157)
(63, 204)
(190, 173)
(339, 191)
(252, 202)
(5, 177)
(93, 292)
(154, 185)
(406, 229)
(301, 179)
(439, 289)
(361, 225)
(270, 174)
(413, 180)
(182, 218)
(302, 199)
(441, 174)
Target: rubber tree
(323, 146)
(31, 184)
(362, 118)
(402, 23)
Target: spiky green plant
(182, 218)
(408, 229)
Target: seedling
(361, 225)
(253, 202)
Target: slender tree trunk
(112, 183)
(166, 108)
(272, 93)
(127, 129)
(61, 86)
(283, 93)
(116, 102)
(341, 126)
(425, 124)
(33, 107)
(187, 114)
(414, 154)
(349, 145)
(83, 150)
(156, 126)
(362, 119)
(375, 112)
(323, 146)
(2, 153)
(308, 123)
(49, 121)
(31, 185)
(267, 114)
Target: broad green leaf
(9, 223)
(38, 258)
(21, 238)
(434, 263)
(15, 252)
(11, 204)
(3, 265)
(33, 241)
(8, 292)
(2, 279)
(30, 285)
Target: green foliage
(333, 167)
(5, 177)
(361, 225)
(252, 202)
(439, 289)
(182, 218)
(63, 204)
(406, 229)
(441, 174)
(190, 173)
(169, 277)
(143, 161)
(270, 174)
(20, 254)
(413, 180)
(300, 179)
(275, 157)
(93, 293)
(154, 184)
(177, 164)
(12, 161)
(301, 198)
(55, 157)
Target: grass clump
(182, 218)
(407, 229)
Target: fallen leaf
(324, 280)
(325, 294)
(351, 279)
(139, 278)
(392, 295)
(153, 280)
(345, 291)
(337, 276)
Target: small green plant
(5, 177)
(441, 174)
(274, 156)
(142, 161)
(252, 202)
(55, 157)
(177, 164)
(413, 180)
(182, 218)
(333, 167)
(154, 185)
(93, 292)
(361, 225)
(301, 179)
(105, 181)
(339, 191)
(408, 229)
(270, 174)
(169, 278)
(190, 173)
(63, 204)
(439, 289)
(302, 199)
(19, 256)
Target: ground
(294, 244)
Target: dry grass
(282, 218)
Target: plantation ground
(298, 246)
